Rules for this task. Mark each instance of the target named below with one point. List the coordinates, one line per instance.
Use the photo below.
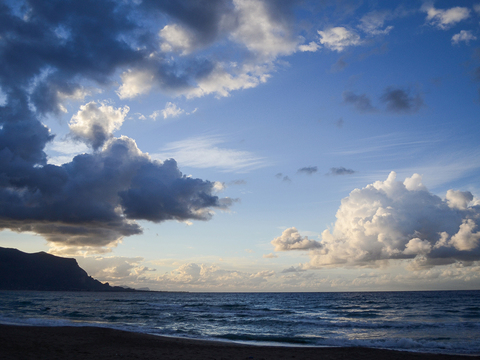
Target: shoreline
(71, 342)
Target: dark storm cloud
(66, 40)
(309, 170)
(361, 102)
(78, 203)
(340, 171)
(210, 20)
(401, 101)
(50, 50)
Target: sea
(430, 321)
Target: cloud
(284, 178)
(292, 240)
(95, 199)
(309, 170)
(177, 38)
(401, 101)
(397, 100)
(109, 38)
(457, 199)
(95, 124)
(208, 277)
(117, 270)
(341, 171)
(340, 65)
(338, 38)
(270, 256)
(263, 30)
(391, 220)
(135, 82)
(293, 269)
(311, 47)
(444, 19)
(181, 64)
(463, 35)
(372, 23)
(203, 152)
(58, 54)
(361, 102)
(171, 110)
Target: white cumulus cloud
(390, 220)
(312, 47)
(445, 19)
(135, 82)
(95, 124)
(176, 38)
(463, 35)
(260, 32)
(338, 38)
(292, 240)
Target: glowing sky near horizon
(244, 145)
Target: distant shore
(32, 342)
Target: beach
(38, 342)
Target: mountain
(46, 272)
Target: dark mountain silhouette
(42, 271)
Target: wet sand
(32, 342)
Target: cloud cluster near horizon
(393, 220)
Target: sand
(32, 342)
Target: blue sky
(318, 146)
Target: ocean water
(433, 321)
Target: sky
(244, 145)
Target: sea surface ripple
(430, 321)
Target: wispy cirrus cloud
(207, 152)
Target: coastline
(38, 342)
